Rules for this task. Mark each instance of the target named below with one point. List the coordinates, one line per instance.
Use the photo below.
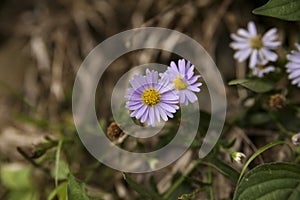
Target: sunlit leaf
(271, 181)
(16, 177)
(282, 9)
(61, 171)
(59, 168)
(23, 194)
(60, 192)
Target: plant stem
(181, 179)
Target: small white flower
(293, 66)
(153, 163)
(249, 43)
(296, 139)
(261, 70)
(238, 157)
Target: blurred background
(42, 45)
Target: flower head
(151, 98)
(183, 80)
(238, 157)
(115, 133)
(261, 70)
(277, 101)
(296, 139)
(293, 66)
(249, 43)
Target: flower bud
(238, 157)
(296, 139)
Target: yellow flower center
(256, 42)
(179, 84)
(150, 97)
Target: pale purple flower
(183, 80)
(293, 66)
(151, 98)
(261, 70)
(250, 44)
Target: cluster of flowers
(260, 49)
(155, 96)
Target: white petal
(239, 45)
(181, 64)
(270, 35)
(242, 55)
(238, 38)
(145, 115)
(191, 96)
(253, 59)
(293, 65)
(269, 55)
(244, 33)
(252, 28)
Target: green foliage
(60, 192)
(18, 180)
(282, 9)
(61, 171)
(225, 169)
(270, 182)
(257, 153)
(255, 85)
(76, 189)
(15, 177)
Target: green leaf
(76, 189)
(258, 152)
(259, 118)
(61, 171)
(60, 192)
(225, 169)
(140, 189)
(256, 85)
(271, 181)
(282, 9)
(16, 177)
(58, 167)
(23, 195)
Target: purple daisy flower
(249, 43)
(261, 70)
(150, 98)
(183, 80)
(293, 66)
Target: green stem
(180, 179)
(57, 159)
(258, 152)
(210, 180)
